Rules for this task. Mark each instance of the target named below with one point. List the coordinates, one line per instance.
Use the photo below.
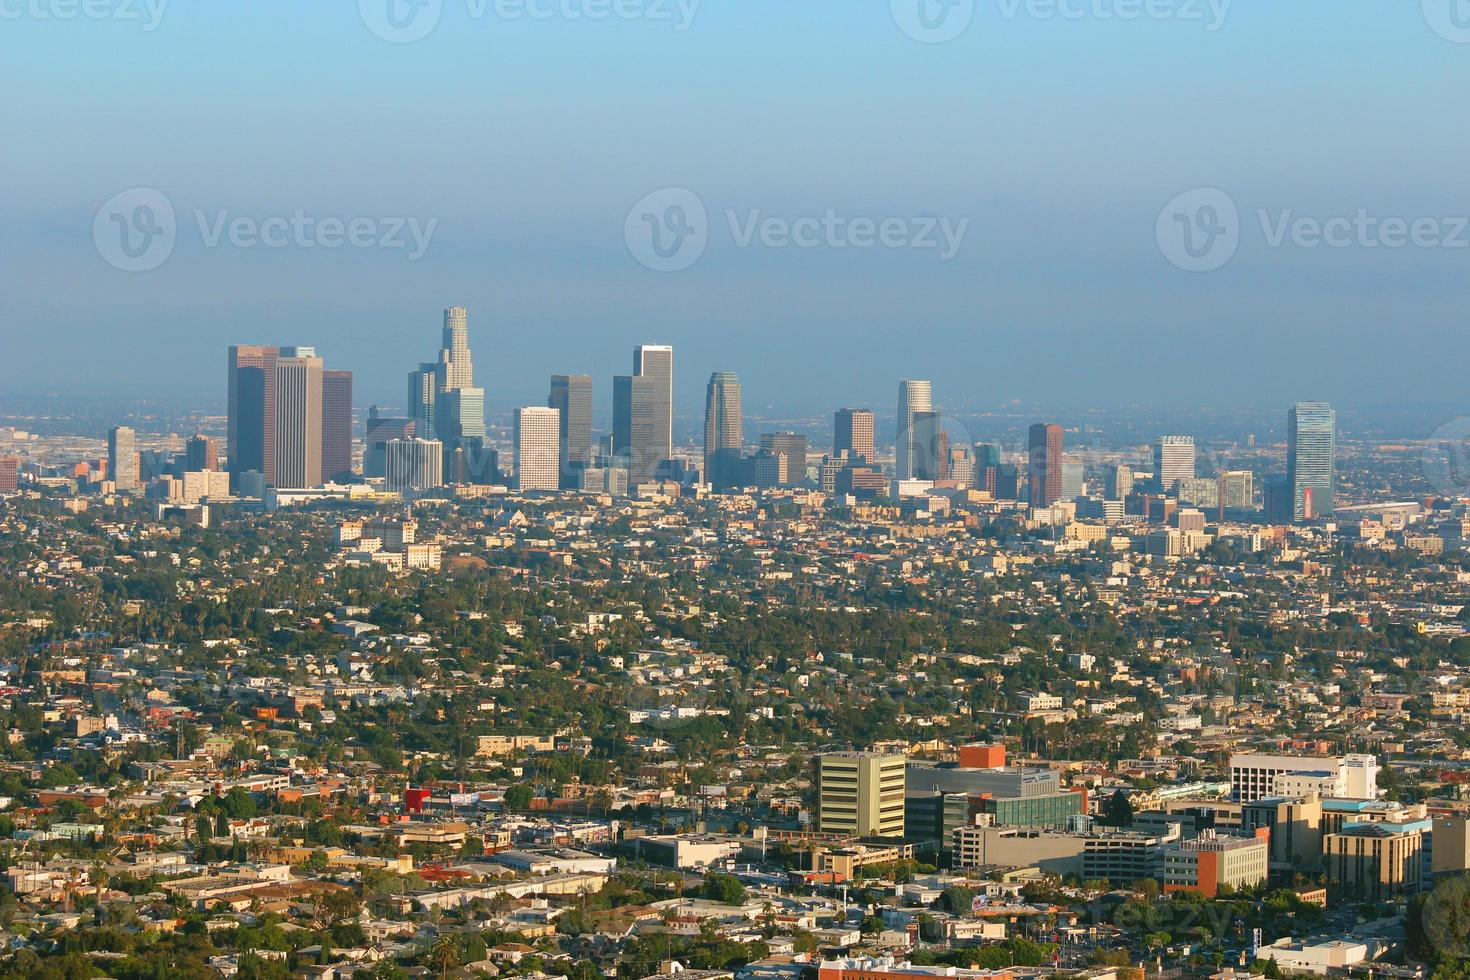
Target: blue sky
(526, 141)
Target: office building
(537, 439)
(1012, 796)
(1073, 478)
(298, 418)
(1123, 857)
(987, 468)
(1044, 447)
(724, 430)
(459, 414)
(1049, 851)
(456, 366)
(1174, 460)
(1120, 482)
(925, 449)
(860, 793)
(1237, 490)
(380, 431)
(1294, 824)
(571, 395)
(865, 482)
(643, 420)
(1276, 499)
(913, 397)
(1374, 861)
(792, 448)
(337, 426)
(933, 817)
(852, 432)
(1311, 453)
(122, 459)
(1451, 845)
(1212, 861)
(201, 454)
(1255, 777)
(250, 441)
(423, 398)
(413, 465)
(9, 474)
(454, 411)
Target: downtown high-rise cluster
(290, 428)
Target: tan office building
(860, 793)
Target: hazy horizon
(527, 143)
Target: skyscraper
(792, 448)
(9, 474)
(1174, 460)
(571, 395)
(250, 441)
(1045, 448)
(380, 430)
(724, 430)
(423, 398)
(459, 406)
(643, 406)
(200, 455)
(913, 397)
(537, 437)
(1237, 490)
(925, 443)
(298, 418)
(1311, 459)
(337, 426)
(852, 430)
(412, 465)
(1120, 482)
(122, 458)
(456, 367)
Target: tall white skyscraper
(457, 369)
(1311, 459)
(455, 410)
(298, 419)
(913, 397)
(538, 448)
(122, 458)
(1174, 460)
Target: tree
(1117, 811)
(518, 798)
(445, 955)
(725, 889)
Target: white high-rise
(298, 419)
(411, 465)
(538, 448)
(457, 370)
(122, 458)
(459, 407)
(913, 397)
(1174, 460)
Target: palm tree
(445, 953)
